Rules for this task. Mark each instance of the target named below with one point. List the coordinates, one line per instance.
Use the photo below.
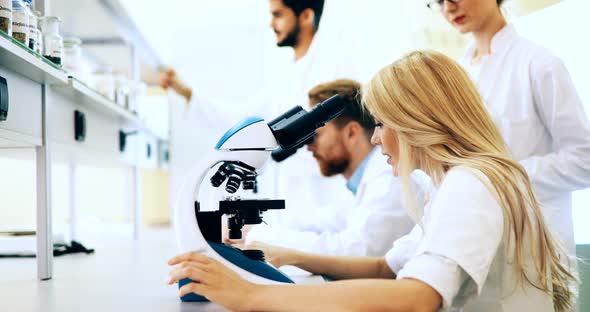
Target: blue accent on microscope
(235, 129)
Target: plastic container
(53, 45)
(33, 31)
(122, 90)
(138, 90)
(103, 82)
(72, 61)
(6, 16)
(20, 22)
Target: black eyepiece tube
(281, 154)
(295, 127)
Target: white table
(122, 275)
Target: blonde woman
(481, 243)
(531, 98)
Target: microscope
(239, 156)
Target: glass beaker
(53, 45)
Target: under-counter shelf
(80, 93)
(24, 61)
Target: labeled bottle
(20, 22)
(39, 45)
(33, 33)
(6, 16)
(53, 44)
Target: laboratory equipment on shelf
(20, 22)
(103, 81)
(72, 61)
(6, 16)
(53, 45)
(241, 153)
(32, 25)
(39, 45)
(122, 90)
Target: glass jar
(103, 82)
(39, 45)
(33, 33)
(6, 16)
(53, 44)
(20, 22)
(72, 55)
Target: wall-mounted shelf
(20, 59)
(84, 95)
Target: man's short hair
(349, 91)
(298, 6)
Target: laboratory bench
(45, 109)
(122, 275)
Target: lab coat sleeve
(223, 115)
(377, 220)
(560, 108)
(464, 224)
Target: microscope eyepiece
(297, 126)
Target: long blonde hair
(440, 123)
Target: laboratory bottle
(53, 45)
(6, 16)
(20, 22)
(33, 33)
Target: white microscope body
(248, 145)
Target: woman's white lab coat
(459, 249)
(531, 97)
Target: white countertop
(122, 275)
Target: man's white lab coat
(297, 179)
(372, 220)
(532, 99)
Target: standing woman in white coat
(481, 243)
(532, 99)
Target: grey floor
(123, 275)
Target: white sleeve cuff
(440, 273)
(403, 249)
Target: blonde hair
(440, 123)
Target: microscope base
(236, 257)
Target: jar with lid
(33, 33)
(39, 44)
(6, 16)
(72, 55)
(20, 22)
(103, 82)
(53, 45)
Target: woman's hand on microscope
(212, 279)
(275, 255)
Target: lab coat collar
(376, 165)
(355, 180)
(501, 42)
(311, 52)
